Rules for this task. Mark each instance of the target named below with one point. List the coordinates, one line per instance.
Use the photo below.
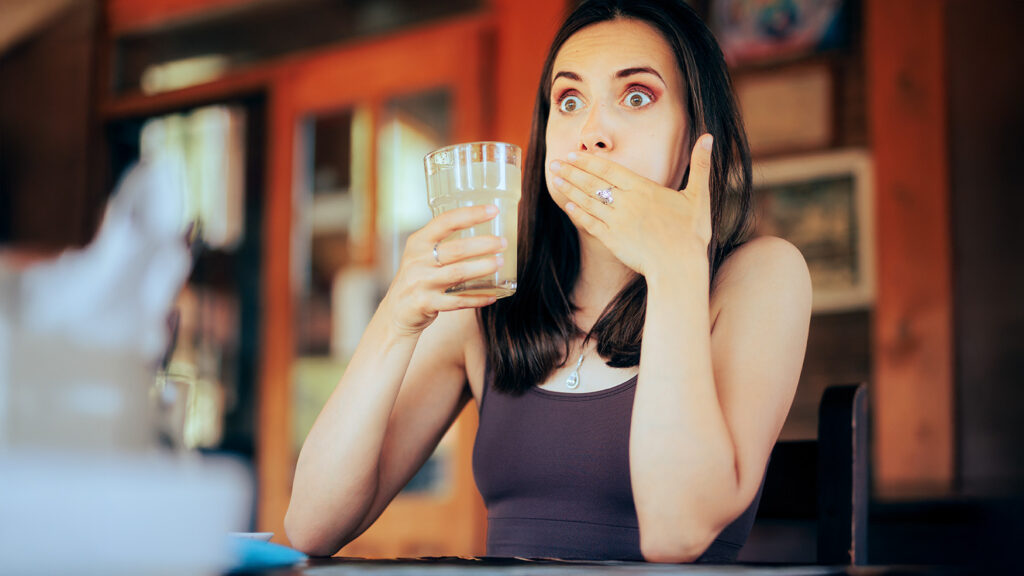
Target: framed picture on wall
(823, 204)
(763, 31)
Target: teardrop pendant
(573, 381)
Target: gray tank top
(553, 470)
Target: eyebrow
(570, 75)
(639, 70)
(624, 73)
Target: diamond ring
(605, 196)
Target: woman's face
(617, 92)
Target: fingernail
(558, 181)
(500, 259)
(707, 142)
(504, 243)
(573, 156)
(492, 209)
(570, 206)
(556, 165)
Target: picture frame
(788, 111)
(823, 204)
(757, 32)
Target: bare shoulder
(764, 270)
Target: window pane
(410, 128)
(337, 291)
(338, 287)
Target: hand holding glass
(480, 173)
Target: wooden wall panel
(524, 34)
(913, 351)
(46, 128)
(986, 121)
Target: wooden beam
(331, 68)
(399, 63)
(233, 85)
(913, 390)
(274, 455)
(127, 16)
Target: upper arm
(758, 339)
(433, 393)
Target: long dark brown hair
(529, 334)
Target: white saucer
(263, 536)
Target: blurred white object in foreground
(111, 515)
(84, 331)
(117, 291)
(82, 488)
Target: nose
(596, 133)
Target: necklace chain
(573, 381)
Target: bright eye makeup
(638, 96)
(569, 102)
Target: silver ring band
(437, 258)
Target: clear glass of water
(480, 173)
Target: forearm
(336, 476)
(682, 456)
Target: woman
(630, 392)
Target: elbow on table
(673, 549)
(306, 538)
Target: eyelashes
(636, 97)
(569, 101)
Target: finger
(447, 276)
(582, 199)
(461, 249)
(449, 302)
(605, 170)
(589, 223)
(581, 180)
(700, 166)
(452, 221)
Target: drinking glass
(480, 173)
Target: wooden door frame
(445, 55)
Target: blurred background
(886, 140)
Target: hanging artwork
(759, 31)
(823, 205)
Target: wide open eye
(570, 104)
(638, 97)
